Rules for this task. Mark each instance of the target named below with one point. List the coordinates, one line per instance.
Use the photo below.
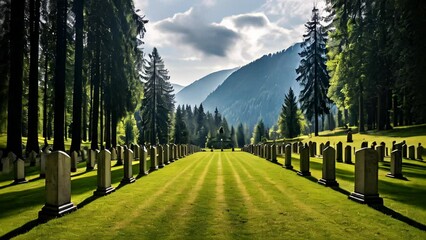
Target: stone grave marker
(166, 154)
(127, 167)
(381, 153)
(348, 154)
(295, 147)
(32, 157)
(404, 150)
(304, 162)
(160, 157)
(364, 144)
(6, 164)
(321, 148)
(90, 164)
(142, 161)
(19, 171)
(273, 153)
(176, 151)
(120, 156)
(172, 153)
(74, 160)
(366, 178)
(58, 187)
(339, 152)
(396, 165)
(136, 151)
(153, 158)
(43, 159)
(113, 154)
(328, 168)
(411, 153)
(420, 152)
(104, 174)
(349, 136)
(288, 156)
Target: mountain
(197, 91)
(256, 91)
(177, 88)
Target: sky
(198, 37)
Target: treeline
(205, 129)
(377, 63)
(82, 57)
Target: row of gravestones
(17, 165)
(58, 173)
(366, 168)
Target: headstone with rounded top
(348, 154)
(420, 152)
(404, 151)
(288, 157)
(300, 146)
(328, 168)
(136, 151)
(364, 144)
(273, 153)
(120, 156)
(6, 164)
(304, 162)
(160, 157)
(349, 136)
(58, 187)
(396, 165)
(176, 151)
(381, 153)
(142, 161)
(339, 152)
(104, 174)
(366, 178)
(171, 153)
(166, 154)
(90, 164)
(321, 148)
(74, 160)
(32, 156)
(113, 154)
(153, 158)
(314, 148)
(411, 153)
(43, 159)
(19, 171)
(128, 167)
(295, 147)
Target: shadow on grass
(22, 229)
(398, 216)
(401, 132)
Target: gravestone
(58, 187)
(6, 164)
(84, 155)
(396, 165)
(160, 157)
(113, 154)
(104, 174)
(153, 158)
(304, 162)
(172, 153)
(364, 144)
(74, 160)
(349, 136)
(404, 151)
(339, 152)
(90, 164)
(136, 152)
(328, 168)
(176, 151)
(300, 146)
(327, 144)
(19, 171)
(120, 156)
(411, 152)
(142, 161)
(321, 146)
(380, 153)
(314, 148)
(366, 178)
(43, 159)
(166, 154)
(32, 157)
(288, 157)
(420, 152)
(387, 151)
(127, 167)
(273, 153)
(348, 154)
(373, 145)
(295, 147)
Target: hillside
(256, 91)
(197, 91)
(177, 88)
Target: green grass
(223, 195)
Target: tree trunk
(361, 108)
(114, 128)
(14, 118)
(32, 142)
(95, 107)
(78, 78)
(46, 78)
(61, 47)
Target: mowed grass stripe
(153, 206)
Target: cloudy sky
(198, 37)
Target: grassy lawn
(223, 195)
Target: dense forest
(76, 70)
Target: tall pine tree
(289, 119)
(312, 71)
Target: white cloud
(209, 3)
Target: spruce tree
(312, 71)
(240, 135)
(157, 104)
(289, 120)
(181, 132)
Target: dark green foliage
(180, 131)
(240, 135)
(158, 104)
(259, 132)
(312, 72)
(289, 118)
